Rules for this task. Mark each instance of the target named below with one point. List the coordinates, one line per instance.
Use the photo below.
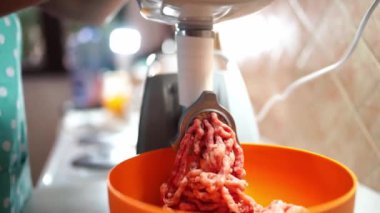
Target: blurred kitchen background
(69, 67)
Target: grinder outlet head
(206, 103)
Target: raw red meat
(208, 173)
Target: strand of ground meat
(208, 173)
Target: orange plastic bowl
(273, 172)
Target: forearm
(10, 6)
(88, 11)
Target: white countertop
(65, 188)
(89, 133)
(72, 198)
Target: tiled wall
(337, 114)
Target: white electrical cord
(282, 96)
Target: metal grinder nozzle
(207, 102)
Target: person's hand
(87, 11)
(10, 6)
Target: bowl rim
(316, 208)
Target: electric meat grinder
(200, 68)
